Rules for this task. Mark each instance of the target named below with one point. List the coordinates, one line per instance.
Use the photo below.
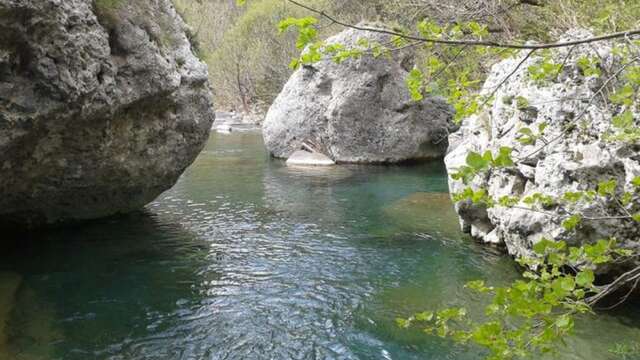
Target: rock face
(359, 111)
(578, 155)
(102, 106)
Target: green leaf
(504, 157)
(476, 161)
(541, 246)
(478, 285)
(294, 64)
(572, 222)
(607, 187)
(414, 83)
(623, 96)
(585, 278)
(522, 103)
(623, 121)
(526, 131)
(424, 316)
(403, 323)
(542, 127)
(564, 322)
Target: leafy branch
(482, 43)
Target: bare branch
(620, 282)
(506, 78)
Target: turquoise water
(248, 259)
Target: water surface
(248, 259)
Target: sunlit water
(248, 259)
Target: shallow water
(248, 259)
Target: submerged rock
(359, 111)
(305, 158)
(9, 284)
(580, 157)
(103, 105)
(431, 213)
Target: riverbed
(246, 258)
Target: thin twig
(624, 298)
(507, 78)
(618, 283)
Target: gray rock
(577, 161)
(102, 106)
(358, 111)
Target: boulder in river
(570, 151)
(103, 105)
(359, 111)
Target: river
(248, 259)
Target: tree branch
(622, 34)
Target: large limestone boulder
(578, 155)
(358, 111)
(102, 106)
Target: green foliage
(414, 83)
(624, 128)
(545, 69)
(607, 188)
(539, 199)
(533, 314)
(623, 96)
(528, 137)
(522, 103)
(572, 222)
(590, 66)
(475, 196)
(477, 164)
(307, 33)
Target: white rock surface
(305, 158)
(579, 160)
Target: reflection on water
(248, 259)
